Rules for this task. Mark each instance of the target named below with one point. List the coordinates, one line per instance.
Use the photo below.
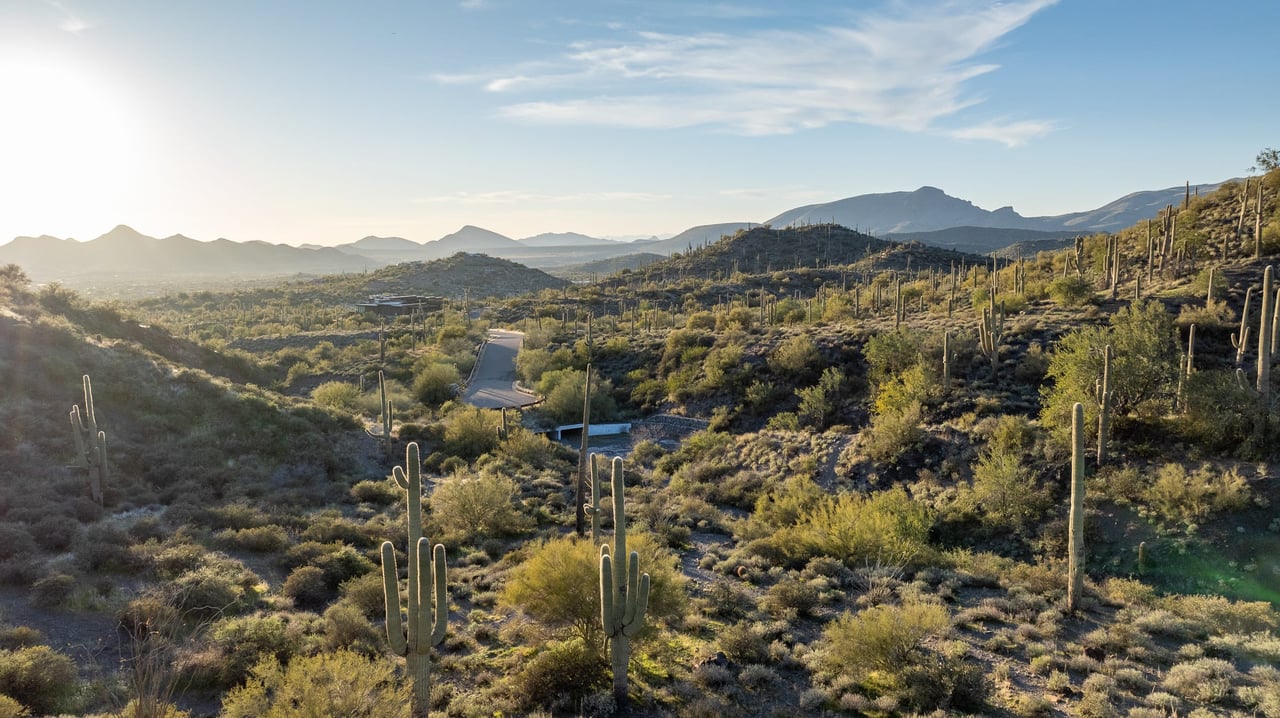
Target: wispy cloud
(906, 68)
(474, 4)
(517, 197)
(1011, 134)
(70, 21)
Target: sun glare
(69, 147)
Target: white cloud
(71, 21)
(474, 4)
(906, 69)
(1011, 134)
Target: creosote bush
(343, 683)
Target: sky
(323, 122)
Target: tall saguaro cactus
(91, 443)
(1265, 329)
(385, 410)
(624, 592)
(1075, 534)
(593, 507)
(426, 576)
(1104, 393)
(990, 329)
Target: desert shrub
(221, 585)
(39, 678)
(722, 369)
(796, 359)
(260, 539)
(308, 587)
(888, 527)
(53, 591)
(244, 641)
(561, 675)
(559, 585)
(818, 403)
(939, 682)
(792, 594)
(55, 532)
(891, 434)
(332, 527)
(888, 354)
(481, 506)
(883, 639)
(743, 642)
(328, 684)
(1219, 411)
(1004, 487)
(469, 432)
(366, 593)
(337, 395)
(105, 548)
(20, 637)
(1072, 290)
(346, 626)
(434, 383)
(376, 492)
(562, 396)
(1143, 369)
(1192, 497)
(10, 708)
(1206, 680)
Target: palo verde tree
(1143, 376)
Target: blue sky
(325, 122)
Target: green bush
(1143, 370)
(308, 587)
(343, 683)
(244, 641)
(558, 585)
(10, 708)
(797, 359)
(1004, 487)
(53, 591)
(470, 431)
(39, 678)
(376, 492)
(883, 639)
(337, 395)
(434, 384)
(561, 675)
(477, 507)
(1192, 497)
(346, 626)
(260, 539)
(1071, 291)
(886, 528)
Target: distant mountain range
(927, 215)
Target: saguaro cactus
(385, 410)
(91, 443)
(1103, 392)
(1075, 534)
(1240, 340)
(624, 592)
(990, 329)
(426, 576)
(593, 507)
(1263, 385)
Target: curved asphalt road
(493, 382)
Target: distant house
(397, 305)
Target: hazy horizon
(607, 118)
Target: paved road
(493, 383)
